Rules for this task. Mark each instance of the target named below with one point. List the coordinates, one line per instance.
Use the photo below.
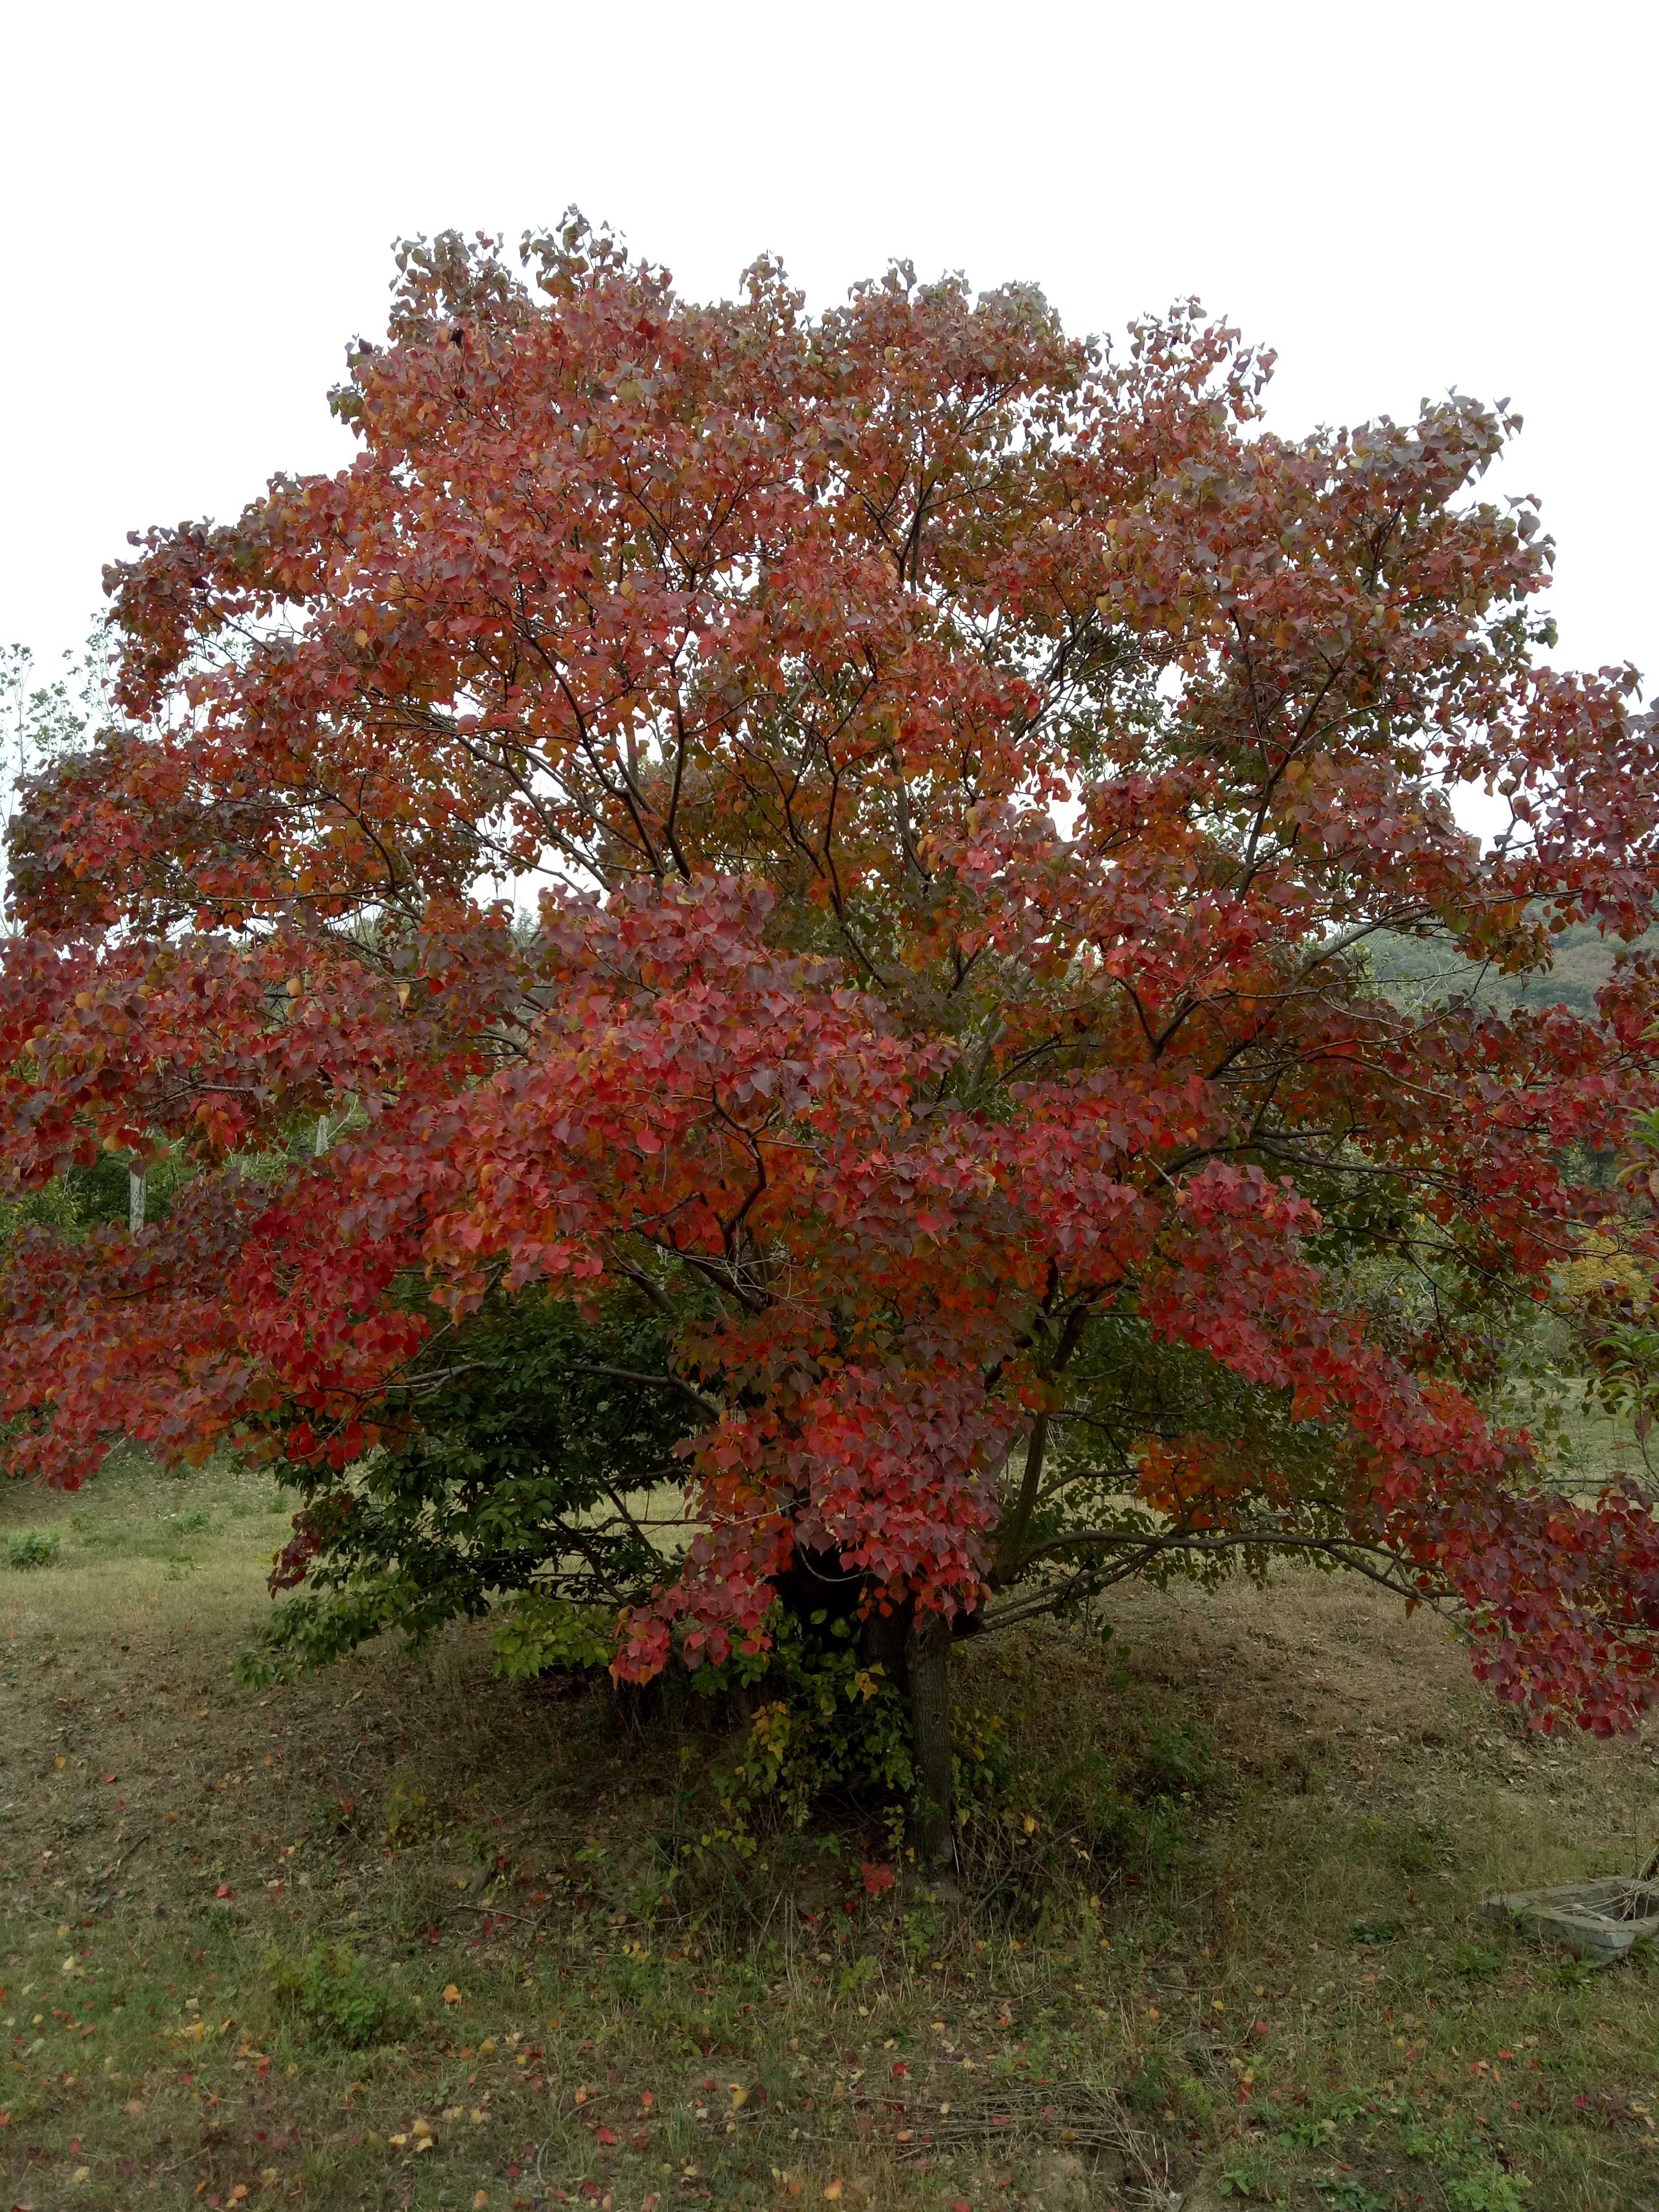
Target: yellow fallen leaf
(81, 2172)
(60, 1762)
(476, 2117)
(267, 2173)
(451, 1995)
(833, 2191)
(425, 2143)
(479, 2200)
(396, 2141)
(422, 2127)
(740, 2095)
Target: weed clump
(31, 1547)
(333, 1993)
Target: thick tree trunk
(135, 1188)
(928, 1654)
(884, 1640)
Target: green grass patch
(405, 1932)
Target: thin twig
(107, 1879)
(494, 1912)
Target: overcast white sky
(1400, 198)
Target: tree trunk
(928, 1654)
(883, 1641)
(135, 1202)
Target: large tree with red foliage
(867, 828)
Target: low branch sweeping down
(869, 829)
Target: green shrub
(332, 1991)
(1179, 1758)
(829, 1724)
(31, 1547)
(516, 1457)
(52, 1207)
(540, 1634)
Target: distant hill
(1416, 970)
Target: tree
(38, 717)
(958, 773)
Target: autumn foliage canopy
(866, 831)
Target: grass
(405, 1935)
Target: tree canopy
(861, 832)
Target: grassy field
(405, 1935)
